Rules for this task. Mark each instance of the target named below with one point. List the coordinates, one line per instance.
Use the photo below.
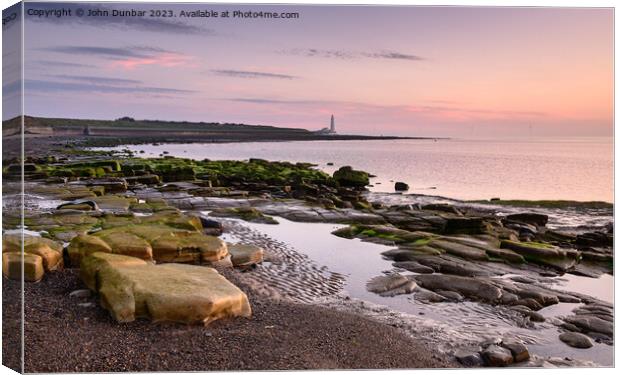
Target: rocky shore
(100, 225)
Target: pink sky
(380, 70)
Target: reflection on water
(465, 322)
(574, 169)
(588, 286)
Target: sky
(417, 71)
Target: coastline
(384, 323)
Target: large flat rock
(131, 288)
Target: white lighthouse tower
(328, 131)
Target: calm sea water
(574, 169)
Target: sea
(579, 169)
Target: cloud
(99, 80)
(251, 74)
(350, 55)
(63, 64)
(445, 112)
(143, 23)
(127, 57)
(393, 56)
(55, 86)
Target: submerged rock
(131, 288)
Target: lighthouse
(332, 126)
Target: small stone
(496, 356)
(518, 350)
(80, 293)
(401, 186)
(86, 304)
(468, 359)
(576, 340)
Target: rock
(348, 177)
(413, 266)
(83, 205)
(110, 185)
(538, 220)
(390, 285)
(595, 239)
(245, 255)
(590, 323)
(250, 214)
(84, 245)
(469, 359)
(81, 294)
(459, 249)
(576, 340)
(473, 288)
(49, 251)
(126, 243)
(496, 356)
(452, 296)
(12, 266)
(465, 225)
(530, 303)
(401, 186)
(424, 295)
(442, 207)
(518, 350)
(147, 179)
(544, 254)
(131, 288)
(183, 247)
(208, 223)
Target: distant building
(328, 131)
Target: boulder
(496, 356)
(401, 186)
(131, 288)
(348, 177)
(576, 340)
(49, 251)
(245, 255)
(12, 266)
